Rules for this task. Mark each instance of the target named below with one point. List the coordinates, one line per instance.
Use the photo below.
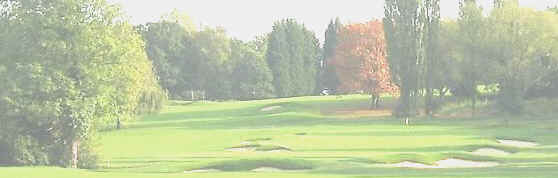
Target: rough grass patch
(247, 165)
(259, 139)
(361, 160)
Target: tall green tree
(412, 31)
(207, 64)
(431, 18)
(404, 34)
(71, 67)
(251, 76)
(293, 54)
(472, 27)
(328, 77)
(213, 60)
(169, 45)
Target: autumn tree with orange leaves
(360, 61)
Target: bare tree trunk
(414, 109)
(404, 109)
(118, 124)
(203, 96)
(429, 105)
(474, 99)
(192, 94)
(374, 101)
(75, 153)
(377, 102)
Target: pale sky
(244, 19)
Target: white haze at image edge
(245, 19)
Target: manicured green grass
(317, 140)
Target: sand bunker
(271, 108)
(201, 171)
(443, 164)
(267, 169)
(491, 152)
(408, 164)
(458, 163)
(516, 143)
(279, 151)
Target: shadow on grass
(247, 165)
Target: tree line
(206, 64)
(412, 53)
(69, 68)
(508, 55)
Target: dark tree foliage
(431, 16)
(168, 45)
(403, 29)
(328, 78)
(250, 74)
(293, 55)
(412, 32)
(471, 22)
(207, 64)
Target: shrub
(26, 150)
